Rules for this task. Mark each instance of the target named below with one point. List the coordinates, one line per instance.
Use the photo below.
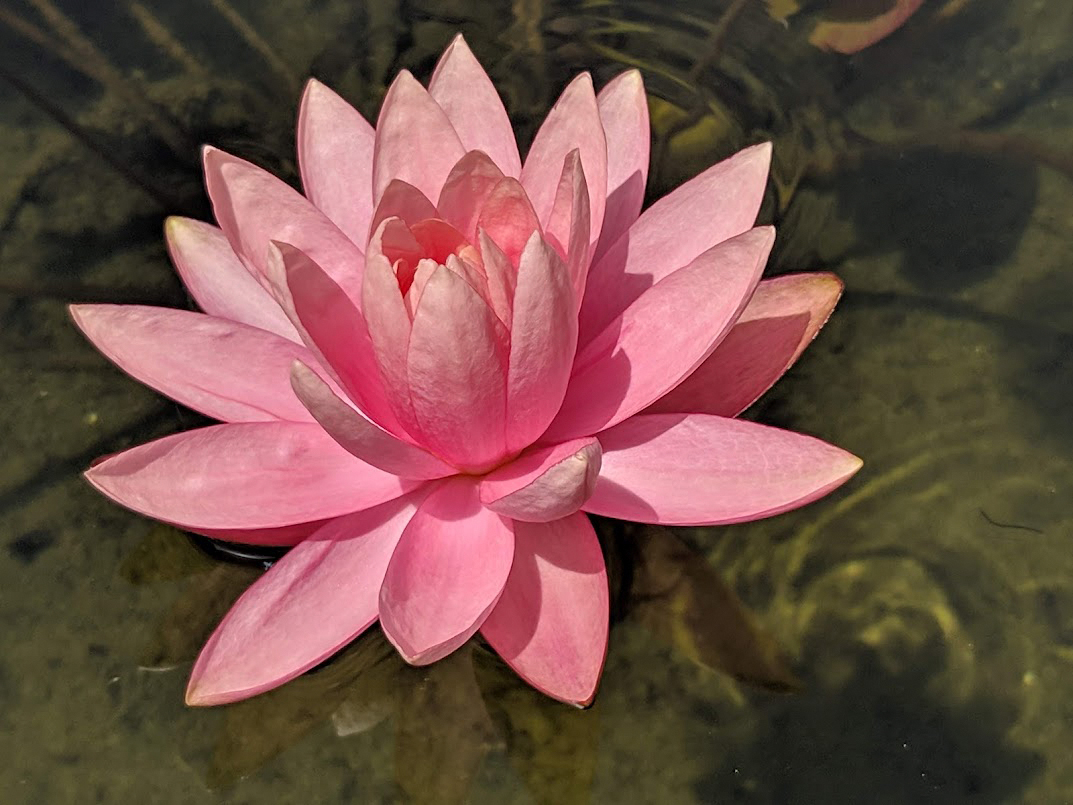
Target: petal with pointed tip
(470, 182)
(446, 573)
(335, 158)
(508, 218)
(465, 93)
(857, 34)
(697, 469)
(551, 622)
(662, 337)
(248, 475)
(780, 320)
(568, 224)
(718, 204)
(311, 603)
(403, 201)
(217, 279)
(544, 483)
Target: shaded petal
(403, 201)
(696, 469)
(781, 319)
(283, 535)
(502, 278)
(624, 113)
(852, 36)
(311, 603)
(662, 337)
(456, 372)
(508, 218)
(469, 184)
(360, 436)
(335, 158)
(217, 279)
(465, 93)
(543, 339)
(223, 369)
(573, 122)
(718, 204)
(415, 140)
(568, 224)
(544, 483)
(446, 573)
(551, 622)
(248, 475)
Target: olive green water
(906, 640)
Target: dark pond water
(908, 639)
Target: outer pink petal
(470, 182)
(718, 204)
(249, 475)
(284, 535)
(550, 624)
(310, 604)
(662, 337)
(335, 157)
(465, 92)
(543, 339)
(360, 436)
(696, 469)
(446, 573)
(624, 113)
(254, 208)
(415, 140)
(457, 374)
(573, 122)
(780, 320)
(217, 279)
(568, 224)
(223, 369)
(544, 483)
(851, 37)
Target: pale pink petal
(335, 326)
(254, 208)
(573, 122)
(311, 603)
(225, 370)
(508, 218)
(470, 182)
(852, 36)
(281, 536)
(457, 377)
(697, 469)
(718, 204)
(543, 339)
(415, 141)
(551, 622)
(568, 224)
(217, 279)
(446, 573)
(403, 201)
(624, 113)
(780, 320)
(662, 337)
(502, 278)
(465, 92)
(335, 157)
(248, 475)
(544, 483)
(360, 436)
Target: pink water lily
(432, 364)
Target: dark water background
(907, 640)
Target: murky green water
(908, 639)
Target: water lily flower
(431, 365)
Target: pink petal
(465, 93)
(550, 624)
(415, 140)
(249, 475)
(285, 535)
(624, 113)
(254, 208)
(470, 182)
(446, 573)
(335, 157)
(718, 204)
(543, 339)
(405, 202)
(573, 122)
(360, 436)
(697, 469)
(217, 279)
(662, 337)
(544, 483)
(223, 369)
(502, 278)
(508, 218)
(568, 225)
(856, 35)
(780, 320)
(311, 603)
(457, 375)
